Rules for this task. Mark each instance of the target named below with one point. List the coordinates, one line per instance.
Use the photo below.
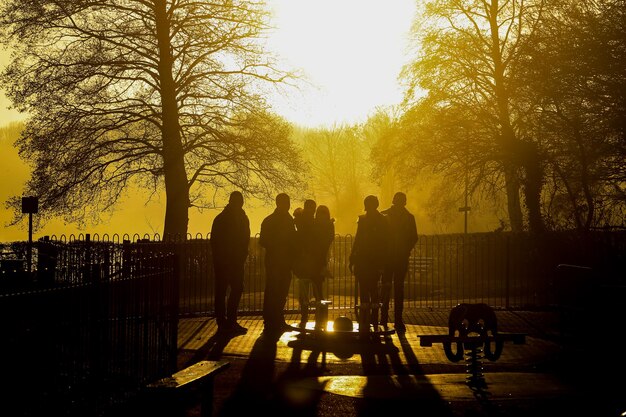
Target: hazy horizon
(337, 94)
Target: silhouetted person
(369, 257)
(303, 265)
(402, 239)
(278, 237)
(323, 236)
(230, 237)
(316, 231)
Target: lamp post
(465, 209)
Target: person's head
(370, 203)
(236, 199)
(283, 202)
(297, 212)
(399, 199)
(322, 213)
(309, 206)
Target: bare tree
(164, 93)
(573, 72)
(463, 65)
(338, 170)
(380, 131)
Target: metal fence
(97, 322)
(504, 270)
(103, 310)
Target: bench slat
(190, 374)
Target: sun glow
(351, 52)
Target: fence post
(46, 261)
(91, 280)
(507, 270)
(175, 256)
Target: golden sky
(351, 52)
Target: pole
(466, 208)
(30, 243)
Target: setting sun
(351, 52)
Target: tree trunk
(512, 198)
(507, 139)
(533, 183)
(175, 176)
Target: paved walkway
(547, 375)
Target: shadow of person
(298, 388)
(392, 388)
(312, 365)
(410, 358)
(213, 348)
(376, 356)
(255, 391)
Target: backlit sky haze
(351, 52)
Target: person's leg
(398, 291)
(368, 288)
(375, 298)
(220, 295)
(269, 296)
(363, 310)
(318, 292)
(321, 310)
(303, 298)
(235, 278)
(399, 274)
(282, 292)
(385, 295)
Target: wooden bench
(167, 395)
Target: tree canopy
(484, 105)
(158, 93)
(573, 71)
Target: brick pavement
(544, 376)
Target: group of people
(380, 255)
(298, 244)
(315, 231)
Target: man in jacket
(368, 258)
(278, 237)
(230, 236)
(402, 239)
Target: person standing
(323, 236)
(303, 267)
(368, 258)
(230, 237)
(278, 238)
(403, 237)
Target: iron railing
(99, 319)
(504, 270)
(104, 309)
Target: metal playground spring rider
(473, 331)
